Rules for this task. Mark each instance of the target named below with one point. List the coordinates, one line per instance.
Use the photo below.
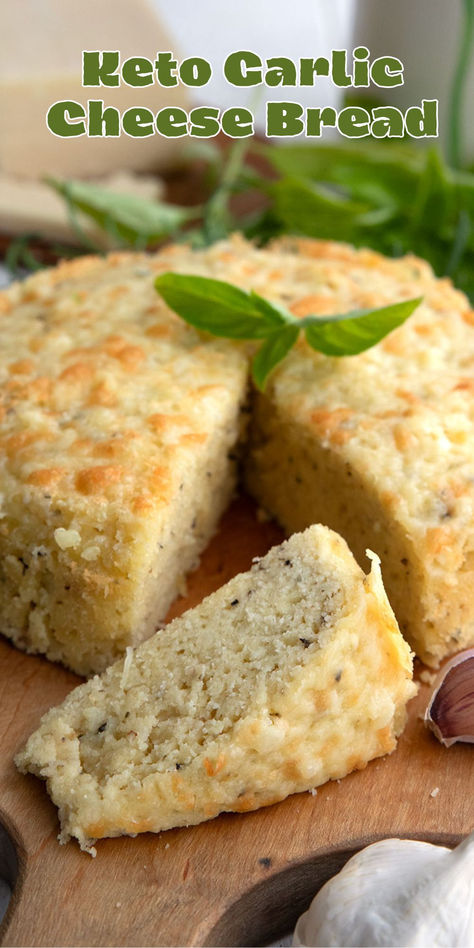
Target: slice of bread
(289, 675)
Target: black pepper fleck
(305, 642)
(265, 862)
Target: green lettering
(317, 118)
(137, 72)
(62, 119)
(284, 119)
(387, 122)
(99, 69)
(237, 123)
(423, 123)
(310, 68)
(281, 72)
(338, 68)
(204, 122)
(138, 122)
(103, 123)
(387, 71)
(195, 71)
(172, 123)
(354, 122)
(243, 68)
(166, 67)
(361, 67)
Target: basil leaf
(271, 352)
(355, 332)
(314, 211)
(433, 201)
(218, 307)
(273, 312)
(130, 217)
(392, 168)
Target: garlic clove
(450, 713)
(396, 892)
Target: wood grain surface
(237, 880)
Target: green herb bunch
(395, 197)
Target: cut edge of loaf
(299, 479)
(62, 599)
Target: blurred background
(110, 192)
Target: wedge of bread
(289, 675)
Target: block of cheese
(117, 434)
(41, 48)
(289, 675)
(28, 207)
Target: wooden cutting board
(237, 880)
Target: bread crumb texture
(118, 420)
(289, 675)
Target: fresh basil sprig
(223, 309)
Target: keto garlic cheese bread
(118, 426)
(291, 674)
(118, 421)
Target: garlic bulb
(450, 713)
(396, 892)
